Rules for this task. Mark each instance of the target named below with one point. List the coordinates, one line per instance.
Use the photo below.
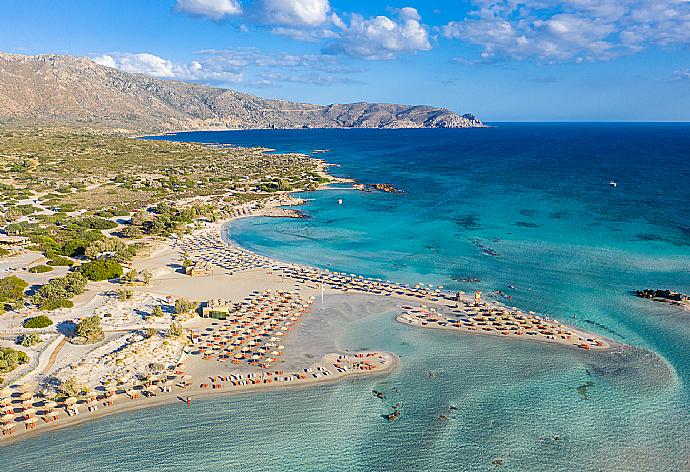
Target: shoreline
(164, 399)
(237, 272)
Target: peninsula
(121, 289)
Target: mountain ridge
(51, 88)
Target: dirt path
(54, 354)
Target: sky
(502, 60)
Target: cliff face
(76, 90)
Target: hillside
(76, 90)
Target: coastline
(163, 399)
(251, 272)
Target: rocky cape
(57, 89)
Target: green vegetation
(110, 248)
(133, 276)
(175, 330)
(90, 329)
(124, 174)
(102, 270)
(150, 332)
(4, 252)
(71, 388)
(60, 261)
(37, 322)
(184, 306)
(29, 340)
(10, 359)
(40, 269)
(57, 293)
(157, 311)
(164, 219)
(11, 292)
(124, 294)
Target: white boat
(613, 183)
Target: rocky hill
(76, 90)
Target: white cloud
(381, 37)
(155, 66)
(247, 66)
(681, 75)
(213, 9)
(571, 30)
(294, 12)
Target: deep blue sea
(526, 209)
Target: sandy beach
(243, 350)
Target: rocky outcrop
(666, 296)
(75, 90)
(662, 294)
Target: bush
(4, 252)
(11, 291)
(183, 305)
(57, 292)
(40, 269)
(102, 270)
(37, 322)
(90, 328)
(29, 340)
(124, 294)
(175, 330)
(60, 261)
(11, 358)
(157, 311)
(56, 303)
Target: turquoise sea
(526, 209)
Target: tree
(70, 387)
(150, 332)
(146, 276)
(90, 328)
(183, 305)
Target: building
(198, 269)
(218, 309)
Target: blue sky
(503, 60)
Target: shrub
(40, 269)
(11, 291)
(183, 305)
(60, 261)
(102, 270)
(175, 330)
(29, 340)
(4, 252)
(57, 292)
(56, 303)
(90, 328)
(157, 311)
(124, 294)
(11, 358)
(37, 322)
